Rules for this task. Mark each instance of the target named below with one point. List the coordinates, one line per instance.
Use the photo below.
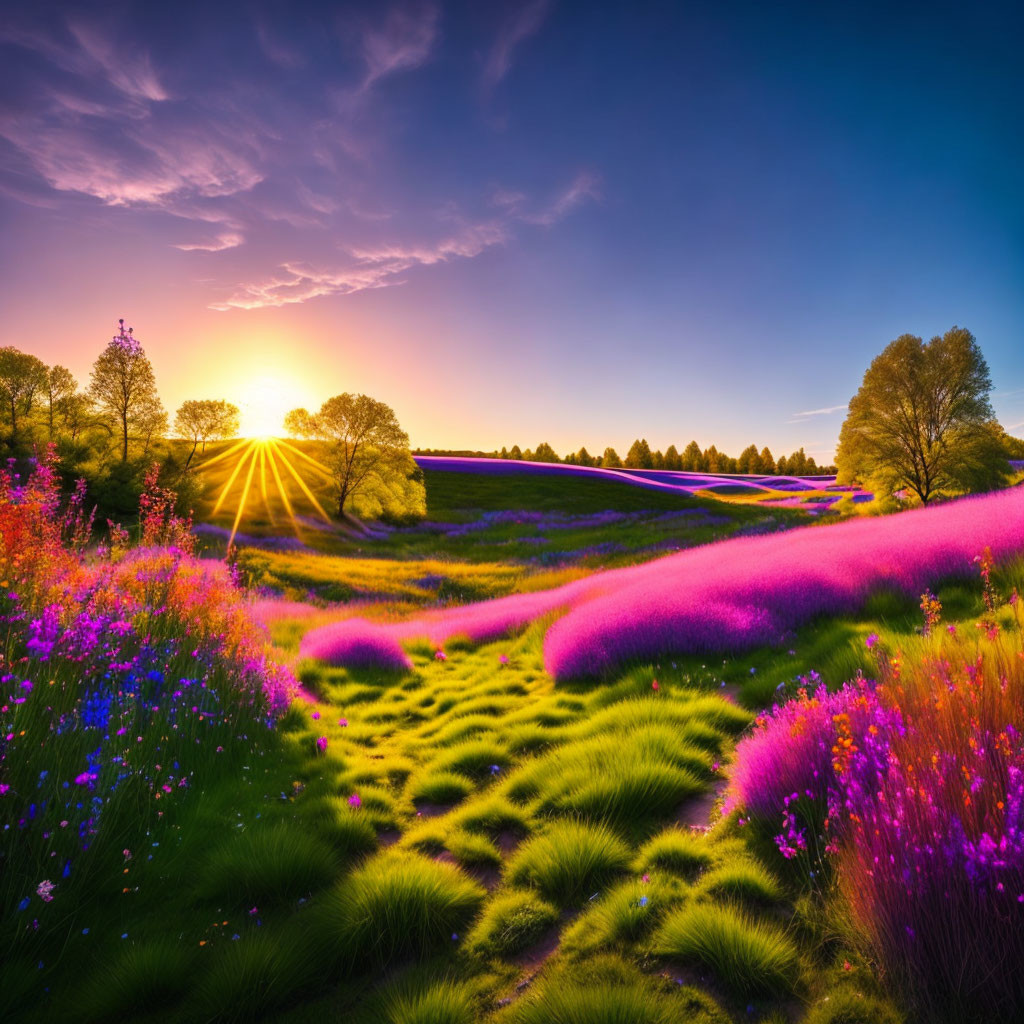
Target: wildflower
(655, 686)
(354, 801)
(847, 966)
(495, 769)
(321, 744)
(439, 655)
(315, 716)
(342, 722)
(645, 878)
(871, 640)
(45, 890)
(642, 901)
(503, 660)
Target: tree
(692, 459)
(710, 459)
(922, 420)
(366, 451)
(124, 387)
(22, 378)
(59, 391)
(515, 453)
(545, 453)
(749, 460)
(672, 459)
(639, 455)
(610, 459)
(767, 462)
(205, 419)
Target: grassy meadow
(463, 840)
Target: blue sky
(516, 222)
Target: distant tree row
(692, 459)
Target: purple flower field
(733, 595)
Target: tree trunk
(124, 437)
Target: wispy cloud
(402, 42)
(519, 26)
(218, 243)
(583, 188)
(377, 267)
(1015, 426)
(383, 264)
(799, 417)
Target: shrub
(569, 861)
(749, 956)
(919, 790)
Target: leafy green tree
(610, 459)
(922, 420)
(503, 454)
(639, 455)
(123, 387)
(749, 460)
(672, 459)
(767, 462)
(59, 392)
(515, 453)
(205, 419)
(22, 379)
(367, 452)
(692, 459)
(711, 459)
(545, 453)
(658, 459)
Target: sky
(517, 222)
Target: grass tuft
(397, 904)
(749, 956)
(569, 862)
(271, 864)
(510, 923)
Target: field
(531, 810)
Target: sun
(264, 404)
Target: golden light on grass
(263, 452)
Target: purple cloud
(522, 23)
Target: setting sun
(264, 402)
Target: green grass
(267, 865)
(443, 1003)
(510, 923)
(396, 905)
(569, 862)
(677, 852)
(746, 881)
(593, 781)
(749, 956)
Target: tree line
(109, 431)
(692, 459)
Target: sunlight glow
(264, 403)
(251, 459)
